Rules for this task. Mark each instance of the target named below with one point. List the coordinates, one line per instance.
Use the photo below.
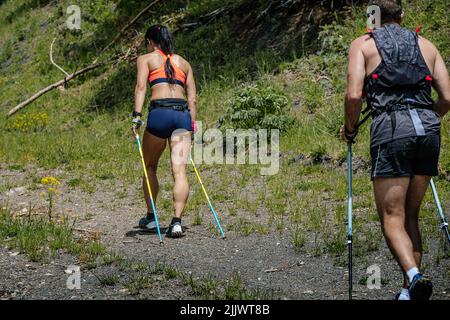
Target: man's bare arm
(441, 84)
(355, 85)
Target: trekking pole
(207, 198)
(350, 224)
(138, 142)
(350, 207)
(444, 224)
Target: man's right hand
(347, 136)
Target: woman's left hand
(137, 123)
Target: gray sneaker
(146, 223)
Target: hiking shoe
(146, 223)
(420, 288)
(175, 230)
(399, 296)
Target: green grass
(40, 239)
(210, 288)
(298, 238)
(88, 130)
(108, 280)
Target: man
(396, 69)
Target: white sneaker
(403, 295)
(175, 230)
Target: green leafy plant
(258, 106)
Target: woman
(171, 118)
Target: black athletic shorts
(406, 157)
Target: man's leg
(390, 197)
(417, 189)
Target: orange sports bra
(159, 75)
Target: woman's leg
(180, 146)
(153, 148)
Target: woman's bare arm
(191, 93)
(141, 84)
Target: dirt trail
(264, 262)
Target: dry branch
(93, 66)
(53, 62)
(205, 19)
(53, 86)
(121, 32)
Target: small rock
(19, 191)
(308, 292)
(13, 254)
(297, 103)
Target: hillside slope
(80, 134)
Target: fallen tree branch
(53, 62)
(53, 86)
(130, 55)
(122, 31)
(205, 19)
(93, 66)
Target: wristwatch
(136, 114)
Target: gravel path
(264, 262)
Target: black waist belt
(393, 108)
(175, 104)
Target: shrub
(258, 107)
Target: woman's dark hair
(162, 37)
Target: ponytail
(161, 36)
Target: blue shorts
(163, 119)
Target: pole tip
(224, 238)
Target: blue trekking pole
(444, 224)
(138, 142)
(350, 224)
(207, 198)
